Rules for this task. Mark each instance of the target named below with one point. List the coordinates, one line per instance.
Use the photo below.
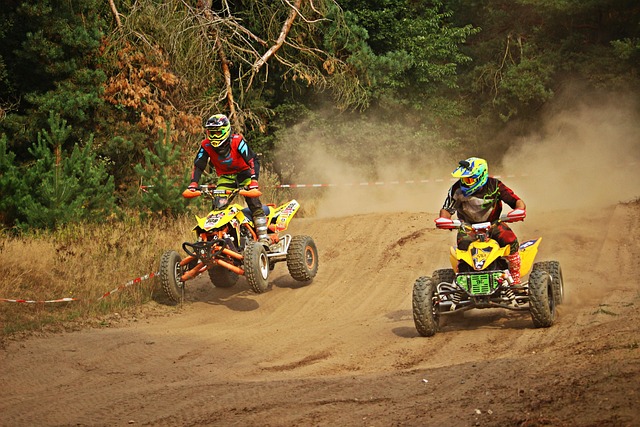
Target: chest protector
(483, 205)
(231, 164)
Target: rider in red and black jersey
(476, 197)
(235, 164)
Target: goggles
(214, 132)
(468, 180)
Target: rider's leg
(514, 267)
(255, 205)
(259, 218)
(226, 182)
(505, 236)
(463, 240)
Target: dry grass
(82, 262)
(87, 261)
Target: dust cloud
(395, 185)
(585, 154)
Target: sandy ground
(343, 350)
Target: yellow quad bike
(227, 246)
(480, 278)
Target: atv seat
(247, 212)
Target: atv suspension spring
(456, 297)
(508, 294)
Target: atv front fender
(528, 252)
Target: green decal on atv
(479, 284)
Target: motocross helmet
(473, 174)
(218, 131)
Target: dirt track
(344, 351)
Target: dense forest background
(97, 97)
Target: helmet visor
(468, 180)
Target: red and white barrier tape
(378, 183)
(357, 184)
(145, 188)
(119, 288)
(38, 302)
(129, 283)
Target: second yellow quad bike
(226, 246)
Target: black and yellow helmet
(218, 130)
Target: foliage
(62, 187)
(434, 76)
(49, 51)
(162, 188)
(11, 186)
(146, 91)
(84, 261)
(627, 48)
(528, 49)
(412, 52)
(406, 56)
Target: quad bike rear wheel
(221, 277)
(426, 315)
(302, 258)
(256, 267)
(170, 274)
(542, 304)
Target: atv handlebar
(451, 224)
(209, 190)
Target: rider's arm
(448, 208)
(509, 197)
(250, 158)
(445, 214)
(199, 165)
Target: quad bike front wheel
(542, 304)
(170, 274)
(256, 267)
(555, 270)
(426, 315)
(444, 275)
(302, 258)
(221, 277)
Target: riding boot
(260, 223)
(514, 267)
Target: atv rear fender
(281, 216)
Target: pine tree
(63, 187)
(164, 196)
(10, 184)
(50, 52)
